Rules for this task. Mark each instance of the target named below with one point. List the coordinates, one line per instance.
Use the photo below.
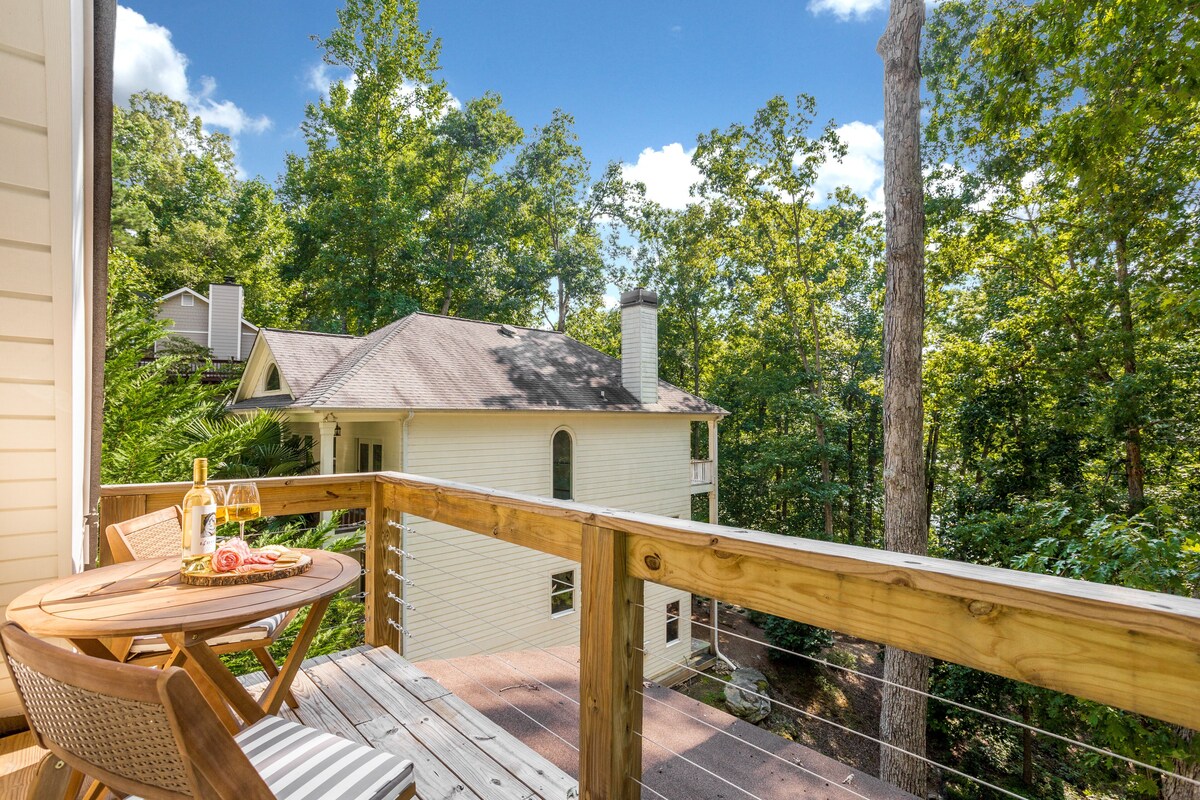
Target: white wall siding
(191, 322)
(225, 320)
(44, 284)
(472, 593)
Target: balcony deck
(468, 741)
(373, 696)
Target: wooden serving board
(209, 578)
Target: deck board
(376, 697)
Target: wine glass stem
(242, 529)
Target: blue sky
(641, 78)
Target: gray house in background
(215, 322)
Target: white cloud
(846, 9)
(322, 76)
(667, 173)
(145, 58)
(861, 169)
(857, 10)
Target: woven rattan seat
(149, 733)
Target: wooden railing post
(378, 535)
(610, 669)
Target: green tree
(762, 180)
(352, 197)
(564, 213)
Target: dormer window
(271, 382)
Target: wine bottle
(199, 514)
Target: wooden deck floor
(375, 697)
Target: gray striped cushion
(263, 629)
(300, 763)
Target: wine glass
(219, 493)
(242, 503)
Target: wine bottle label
(202, 524)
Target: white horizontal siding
(475, 594)
(21, 26)
(44, 283)
(25, 268)
(25, 157)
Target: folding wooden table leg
(272, 698)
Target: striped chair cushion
(300, 763)
(263, 629)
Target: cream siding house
(45, 294)
(486, 404)
(215, 322)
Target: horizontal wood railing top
(301, 494)
(1133, 649)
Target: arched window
(271, 384)
(562, 459)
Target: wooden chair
(158, 535)
(149, 733)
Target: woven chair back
(137, 730)
(154, 535)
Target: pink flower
(229, 556)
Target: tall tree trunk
(902, 719)
(851, 480)
(1135, 471)
(931, 455)
(1172, 788)
(872, 467)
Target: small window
(563, 466)
(562, 593)
(186, 300)
(673, 622)
(370, 456)
(271, 384)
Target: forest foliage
(1063, 251)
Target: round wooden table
(93, 609)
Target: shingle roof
(425, 361)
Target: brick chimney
(639, 344)
(225, 302)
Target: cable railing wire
(748, 743)
(638, 781)
(474, 553)
(506, 701)
(700, 767)
(955, 703)
(496, 656)
(847, 729)
(472, 614)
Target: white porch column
(328, 440)
(712, 456)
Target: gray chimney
(639, 344)
(225, 320)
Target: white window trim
(678, 624)
(574, 461)
(574, 593)
(263, 391)
(359, 441)
(187, 301)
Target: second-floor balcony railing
(702, 472)
(1136, 650)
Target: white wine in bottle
(199, 514)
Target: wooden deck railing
(702, 472)
(1136, 650)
